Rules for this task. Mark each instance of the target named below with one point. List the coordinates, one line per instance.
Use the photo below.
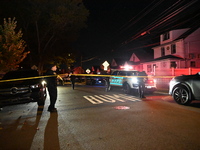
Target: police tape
(85, 75)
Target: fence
(165, 75)
(176, 72)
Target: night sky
(118, 28)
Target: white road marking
(98, 99)
(114, 97)
(92, 99)
(103, 99)
(130, 98)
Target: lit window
(173, 48)
(166, 36)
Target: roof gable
(134, 58)
(188, 32)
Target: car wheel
(126, 89)
(42, 98)
(181, 96)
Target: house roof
(184, 35)
(188, 32)
(121, 62)
(166, 57)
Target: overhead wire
(140, 14)
(161, 21)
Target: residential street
(88, 118)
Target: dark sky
(115, 26)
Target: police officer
(141, 83)
(72, 79)
(52, 87)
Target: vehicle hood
(19, 83)
(185, 77)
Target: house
(178, 49)
(133, 63)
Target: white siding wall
(157, 52)
(173, 35)
(192, 42)
(176, 33)
(180, 49)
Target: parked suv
(128, 81)
(22, 86)
(185, 88)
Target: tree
(46, 24)
(12, 46)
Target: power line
(157, 23)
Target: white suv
(128, 81)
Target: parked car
(22, 86)
(185, 88)
(95, 81)
(128, 81)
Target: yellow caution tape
(85, 75)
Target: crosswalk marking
(112, 98)
(109, 100)
(99, 99)
(131, 98)
(92, 99)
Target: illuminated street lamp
(105, 65)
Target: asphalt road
(89, 118)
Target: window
(173, 48)
(115, 73)
(191, 55)
(173, 64)
(149, 69)
(164, 64)
(166, 36)
(162, 51)
(192, 64)
(123, 73)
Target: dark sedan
(185, 88)
(22, 86)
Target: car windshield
(20, 74)
(132, 73)
(125, 73)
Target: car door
(196, 86)
(115, 80)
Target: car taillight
(150, 81)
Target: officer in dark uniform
(52, 87)
(72, 79)
(141, 83)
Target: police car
(128, 81)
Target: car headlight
(35, 86)
(134, 80)
(172, 81)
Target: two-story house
(178, 49)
